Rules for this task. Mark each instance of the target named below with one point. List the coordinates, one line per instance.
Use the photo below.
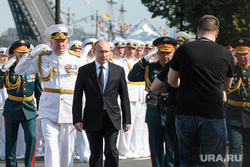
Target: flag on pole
(106, 16)
(125, 27)
(87, 2)
(159, 27)
(102, 35)
(99, 23)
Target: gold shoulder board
(75, 53)
(46, 53)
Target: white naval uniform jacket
(133, 90)
(55, 106)
(121, 62)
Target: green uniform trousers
(11, 131)
(237, 138)
(156, 143)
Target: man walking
(102, 82)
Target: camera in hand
(156, 99)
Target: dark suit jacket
(96, 101)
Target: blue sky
(79, 9)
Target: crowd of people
(86, 100)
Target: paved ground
(122, 163)
(142, 162)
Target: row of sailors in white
(128, 143)
(61, 117)
(133, 143)
(82, 147)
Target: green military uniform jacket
(145, 71)
(20, 87)
(238, 108)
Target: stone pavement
(141, 162)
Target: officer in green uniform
(155, 118)
(238, 108)
(20, 106)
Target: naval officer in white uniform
(58, 70)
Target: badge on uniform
(156, 72)
(30, 78)
(71, 69)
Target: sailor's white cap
(131, 43)
(75, 44)
(3, 51)
(119, 43)
(112, 46)
(140, 44)
(182, 36)
(89, 41)
(58, 31)
(148, 44)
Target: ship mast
(111, 34)
(121, 19)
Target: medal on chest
(30, 78)
(71, 69)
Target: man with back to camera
(238, 106)
(202, 70)
(101, 82)
(160, 85)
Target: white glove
(149, 55)
(9, 63)
(38, 51)
(87, 48)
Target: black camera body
(156, 99)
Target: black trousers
(109, 133)
(171, 131)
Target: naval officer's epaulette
(47, 52)
(75, 53)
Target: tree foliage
(233, 15)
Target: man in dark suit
(102, 82)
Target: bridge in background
(32, 17)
